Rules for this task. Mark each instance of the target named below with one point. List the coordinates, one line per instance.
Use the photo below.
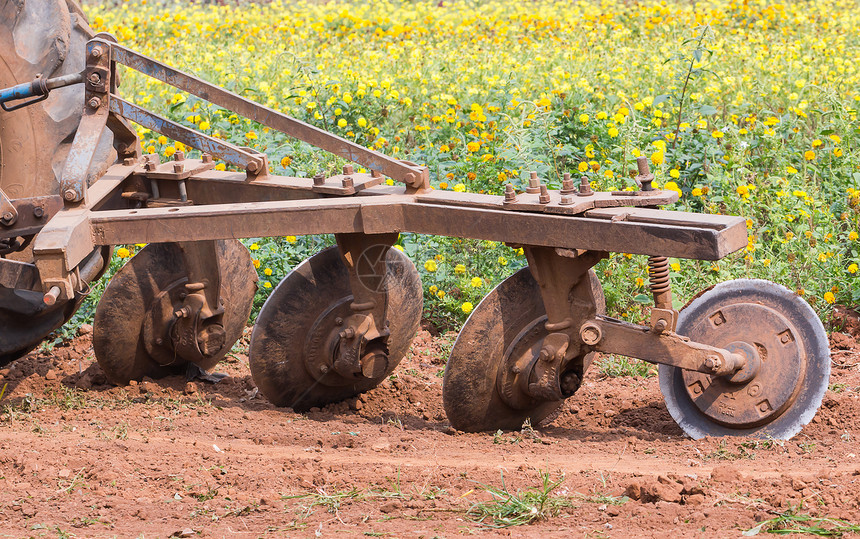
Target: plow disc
(299, 329)
(135, 331)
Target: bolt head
(713, 362)
(252, 167)
(96, 52)
(38, 212)
(323, 369)
(70, 195)
(95, 78)
(94, 103)
(8, 216)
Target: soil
(194, 459)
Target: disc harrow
(744, 358)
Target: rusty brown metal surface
(296, 340)
(414, 176)
(31, 214)
(133, 329)
(787, 370)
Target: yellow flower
(291, 239)
(162, 139)
(583, 118)
(612, 132)
(459, 188)
(267, 284)
(816, 143)
(250, 135)
(657, 157)
(852, 268)
(440, 294)
(430, 265)
(837, 152)
(829, 297)
(254, 247)
(809, 155)
(267, 271)
(341, 123)
(583, 166)
(285, 161)
(473, 146)
(459, 268)
(256, 263)
(169, 151)
(221, 166)
(204, 125)
(503, 261)
(467, 307)
(433, 289)
(362, 122)
(852, 235)
(696, 192)
(675, 173)
(476, 282)
(443, 185)
(672, 186)
(122, 252)
(675, 266)
(717, 134)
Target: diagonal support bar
(224, 150)
(414, 176)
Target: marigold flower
(809, 155)
(829, 297)
(467, 307)
(476, 282)
(122, 252)
(430, 265)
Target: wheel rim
(784, 342)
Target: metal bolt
(7, 217)
(38, 212)
(515, 369)
(323, 369)
(544, 194)
(179, 156)
(584, 187)
(375, 173)
(510, 194)
(94, 78)
(591, 334)
(645, 177)
(534, 183)
(129, 161)
(785, 338)
(319, 179)
(94, 103)
(567, 185)
(338, 321)
(713, 363)
(159, 341)
(348, 333)
(206, 158)
(177, 167)
(348, 170)
(347, 182)
(252, 167)
(545, 355)
(70, 195)
(96, 52)
(566, 200)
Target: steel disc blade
(119, 341)
(775, 328)
(292, 336)
(511, 312)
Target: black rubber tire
(47, 37)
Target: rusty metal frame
(564, 232)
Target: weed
(791, 522)
(331, 502)
(614, 366)
(515, 509)
(724, 453)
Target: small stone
(64, 473)
(28, 510)
(725, 474)
(185, 532)
(381, 445)
(51, 375)
(695, 499)
(633, 491)
(85, 329)
(190, 388)
(391, 506)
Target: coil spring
(658, 273)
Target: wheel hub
(774, 372)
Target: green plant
(514, 509)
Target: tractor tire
(46, 37)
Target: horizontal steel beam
(698, 239)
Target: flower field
(745, 108)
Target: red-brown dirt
(165, 458)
